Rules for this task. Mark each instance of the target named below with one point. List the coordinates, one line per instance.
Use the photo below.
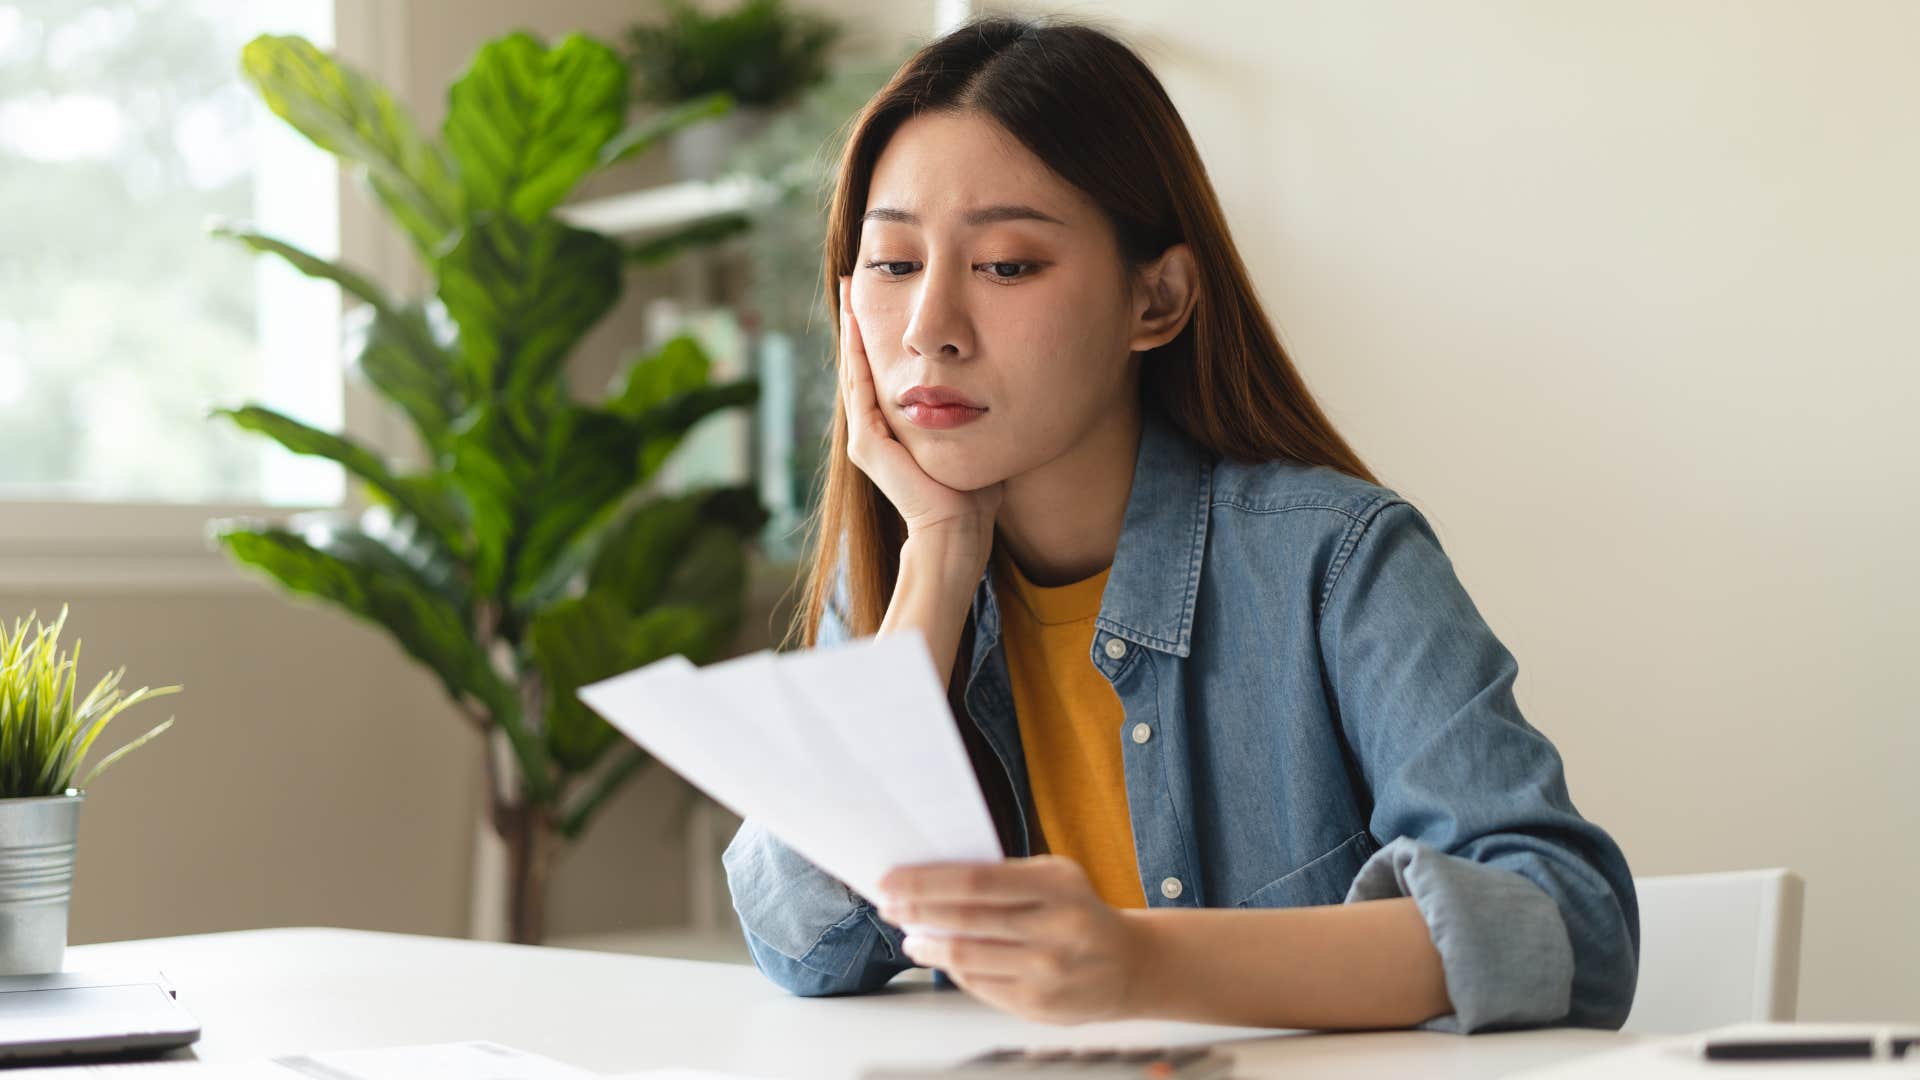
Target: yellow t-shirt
(1070, 722)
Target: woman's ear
(1165, 291)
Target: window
(125, 126)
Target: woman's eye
(998, 271)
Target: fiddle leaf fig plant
(529, 554)
(44, 733)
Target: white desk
(269, 992)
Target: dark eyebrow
(985, 215)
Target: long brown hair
(1087, 106)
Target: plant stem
(603, 788)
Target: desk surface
(269, 992)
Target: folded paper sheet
(847, 753)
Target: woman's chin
(956, 468)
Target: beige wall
(1613, 292)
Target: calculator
(1071, 1063)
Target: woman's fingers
(870, 442)
(977, 957)
(976, 920)
(856, 385)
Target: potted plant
(44, 736)
(761, 55)
(528, 555)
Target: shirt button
(1116, 648)
(1141, 733)
(1170, 888)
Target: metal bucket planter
(37, 842)
(699, 151)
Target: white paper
(479, 1060)
(848, 753)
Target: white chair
(1717, 949)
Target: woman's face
(984, 277)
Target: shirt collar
(1156, 568)
(1155, 577)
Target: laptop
(80, 1014)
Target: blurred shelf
(668, 206)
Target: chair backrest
(1717, 949)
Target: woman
(1253, 752)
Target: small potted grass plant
(44, 736)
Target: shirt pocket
(1322, 880)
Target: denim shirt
(1327, 718)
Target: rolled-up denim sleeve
(1530, 906)
(807, 931)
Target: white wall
(1620, 294)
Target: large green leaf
(525, 122)
(392, 344)
(591, 464)
(338, 563)
(678, 366)
(591, 637)
(395, 350)
(579, 484)
(530, 490)
(494, 469)
(424, 554)
(347, 114)
(523, 294)
(636, 556)
(412, 495)
(667, 424)
(333, 560)
(711, 574)
(667, 393)
(350, 280)
(660, 541)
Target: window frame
(120, 546)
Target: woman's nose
(940, 325)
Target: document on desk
(477, 1060)
(847, 753)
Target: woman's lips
(939, 407)
(942, 416)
